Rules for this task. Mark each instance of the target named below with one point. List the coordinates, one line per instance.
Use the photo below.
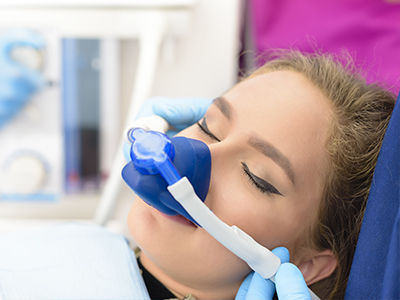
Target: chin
(186, 254)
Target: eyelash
(206, 131)
(269, 189)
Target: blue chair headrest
(375, 270)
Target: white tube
(259, 258)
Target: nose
(224, 155)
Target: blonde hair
(361, 114)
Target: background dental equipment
(31, 154)
(152, 153)
(132, 36)
(21, 61)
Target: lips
(179, 219)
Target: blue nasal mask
(158, 161)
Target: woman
(293, 150)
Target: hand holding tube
(289, 282)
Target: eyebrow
(272, 152)
(258, 143)
(224, 106)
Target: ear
(319, 266)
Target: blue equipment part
(152, 153)
(192, 159)
(18, 82)
(375, 270)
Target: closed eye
(204, 128)
(261, 184)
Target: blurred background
(99, 60)
(56, 153)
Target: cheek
(140, 221)
(271, 220)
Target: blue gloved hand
(179, 112)
(17, 81)
(289, 283)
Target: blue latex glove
(179, 112)
(17, 82)
(289, 282)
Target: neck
(182, 290)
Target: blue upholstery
(375, 270)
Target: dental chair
(75, 261)
(68, 261)
(375, 270)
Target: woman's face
(267, 139)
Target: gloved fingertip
(244, 287)
(167, 111)
(282, 253)
(289, 269)
(182, 110)
(200, 106)
(290, 283)
(260, 288)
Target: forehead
(286, 87)
(287, 110)
(280, 95)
